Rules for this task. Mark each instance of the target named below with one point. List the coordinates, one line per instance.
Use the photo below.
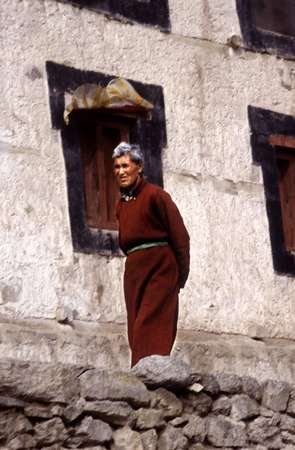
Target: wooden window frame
(152, 13)
(272, 136)
(262, 40)
(285, 160)
(149, 133)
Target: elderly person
(153, 236)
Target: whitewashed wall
(208, 167)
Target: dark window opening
(285, 160)
(286, 169)
(268, 25)
(273, 147)
(148, 12)
(274, 16)
(88, 142)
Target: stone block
(210, 384)
(276, 419)
(222, 405)
(180, 421)
(74, 442)
(114, 413)
(198, 447)
(274, 442)
(74, 410)
(21, 441)
(287, 423)
(13, 423)
(265, 412)
(288, 437)
(256, 447)
(252, 388)
(172, 439)
(149, 418)
(229, 383)
(195, 430)
(103, 385)
(43, 411)
(97, 447)
(291, 403)
(53, 447)
(50, 432)
(33, 381)
(169, 403)
(93, 431)
(149, 440)
(276, 395)
(198, 403)
(244, 407)
(163, 371)
(225, 432)
(261, 429)
(125, 438)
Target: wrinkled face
(126, 171)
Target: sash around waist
(147, 245)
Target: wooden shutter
(100, 188)
(286, 166)
(90, 174)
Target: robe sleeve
(177, 232)
(118, 207)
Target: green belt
(147, 245)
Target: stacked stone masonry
(159, 404)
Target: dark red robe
(153, 276)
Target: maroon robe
(153, 276)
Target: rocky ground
(160, 404)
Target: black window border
(262, 40)
(263, 123)
(151, 13)
(149, 134)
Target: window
(88, 142)
(285, 159)
(274, 16)
(98, 138)
(273, 147)
(149, 12)
(268, 25)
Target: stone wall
(105, 346)
(160, 404)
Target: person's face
(126, 171)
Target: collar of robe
(131, 194)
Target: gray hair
(133, 151)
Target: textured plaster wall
(207, 164)
(204, 19)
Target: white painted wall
(208, 167)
